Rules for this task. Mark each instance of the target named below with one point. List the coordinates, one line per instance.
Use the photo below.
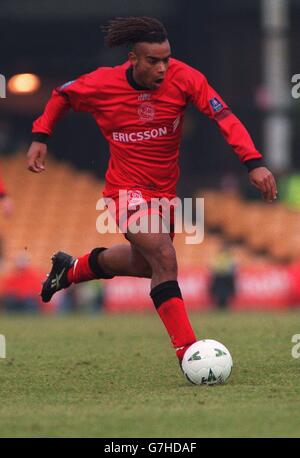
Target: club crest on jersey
(134, 198)
(146, 112)
(216, 104)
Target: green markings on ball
(219, 352)
(195, 356)
(210, 379)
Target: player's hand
(36, 157)
(264, 180)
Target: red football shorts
(129, 206)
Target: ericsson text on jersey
(139, 136)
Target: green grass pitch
(117, 376)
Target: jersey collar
(132, 82)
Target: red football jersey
(143, 127)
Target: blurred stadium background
(251, 250)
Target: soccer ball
(207, 362)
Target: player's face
(150, 63)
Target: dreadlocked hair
(131, 30)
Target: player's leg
(100, 263)
(124, 260)
(159, 251)
(105, 263)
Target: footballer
(139, 107)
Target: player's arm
(208, 101)
(42, 129)
(75, 95)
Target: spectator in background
(20, 288)
(289, 189)
(222, 286)
(86, 298)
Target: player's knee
(164, 260)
